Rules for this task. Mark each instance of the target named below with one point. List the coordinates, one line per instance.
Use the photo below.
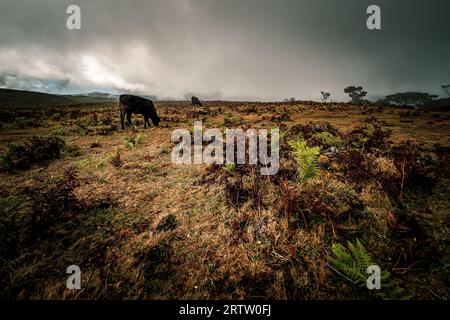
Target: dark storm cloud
(246, 49)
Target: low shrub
(33, 151)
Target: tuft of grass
(83, 162)
(101, 165)
(73, 150)
(134, 141)
(128, 144)
(164, 150)
(229, 167)
(60, 132)
(230, 120)
(114, 159)
(86, 122)
(152, 168)
(138, 139)
(8, 204)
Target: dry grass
(221, 244)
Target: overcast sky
(225, 49)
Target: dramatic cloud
(233, 49)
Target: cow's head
(156, 120)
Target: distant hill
(28, 99)
(93, 97)
(96, 94)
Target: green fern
(352, 263)
(229, 167)
(306, 159)
(327, 139)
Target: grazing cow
(129, 104)
(196, 102)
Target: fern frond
(344, 261)
(353, 262)
(328, 139)
(306, 159)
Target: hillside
(91, 98)
(26, 99)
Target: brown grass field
(140, 227)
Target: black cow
(196, 102)
(129, 104)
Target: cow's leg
(122, 118)
(145, 121)
(129, 118)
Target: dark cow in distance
(196, 102)
(129, 104)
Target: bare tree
(325, 95)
